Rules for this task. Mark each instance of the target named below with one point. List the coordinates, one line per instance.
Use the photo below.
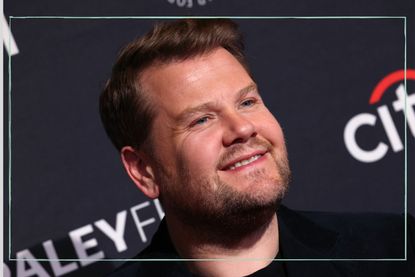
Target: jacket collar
(303, 241)
(300, 240)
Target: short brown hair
(126, 112)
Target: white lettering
(82, 246)
(25, 256)
(8, 39)
(139, 224)
(57, 267)
(6, 271)
(182, 3)
(117, 234)
(349, 136)
(391, 132)
(159, 209)
(399, 105)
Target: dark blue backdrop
(68, 188)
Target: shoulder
(158, 259)
(357, 235)
(353, 244)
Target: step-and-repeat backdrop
(333, 76)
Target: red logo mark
(389, 80)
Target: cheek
(201, 151)
(271, 129)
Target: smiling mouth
(244, 162)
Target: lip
(243, 157)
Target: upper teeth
(245, 162)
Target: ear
(140, 171)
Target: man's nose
(238, 129)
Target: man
(186, 115)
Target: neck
(236, 254)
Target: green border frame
(404, 18)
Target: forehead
(210, 77)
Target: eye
(248, 103)
(200, 121)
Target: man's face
(218, 151)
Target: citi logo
(188, 3)
(368, 120)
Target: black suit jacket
(346, 244)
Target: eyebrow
(188, 112)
